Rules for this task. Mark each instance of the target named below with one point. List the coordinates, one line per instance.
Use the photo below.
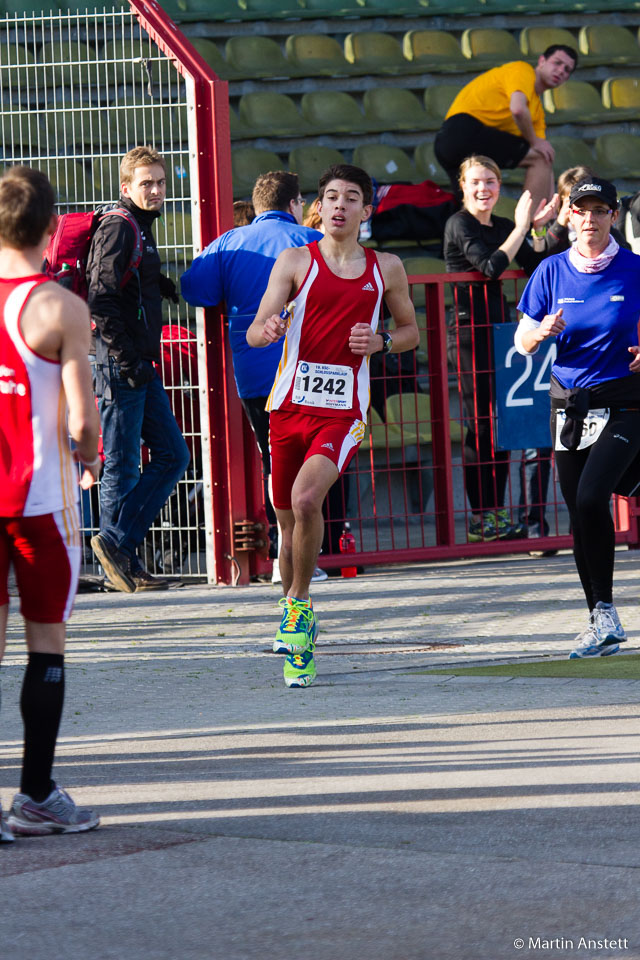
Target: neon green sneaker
(298, 629)
(300, 669)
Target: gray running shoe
(57, 814)
(589, 643)
(115, 564)
(6, 836)
(607, 624)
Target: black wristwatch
(387, 342)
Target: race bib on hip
(323, 385)
(594, 423)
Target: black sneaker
(115, 564)
(144, 581)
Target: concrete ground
(381, 814)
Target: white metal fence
(77, 90)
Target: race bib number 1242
(323, 385)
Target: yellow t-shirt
(488, 96)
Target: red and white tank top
(37, 471)
(318, 373)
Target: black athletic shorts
(258, 417)
(461, 135)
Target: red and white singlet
(318, 373)
(37, 471)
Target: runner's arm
(268, 326)
(363, 341)
(83, 422)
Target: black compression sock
(41, 706)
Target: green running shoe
(299, 669)
(298, 629)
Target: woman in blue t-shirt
(588, 297)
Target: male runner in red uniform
(45, 395)
(320, 396)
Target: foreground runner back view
(326, 299)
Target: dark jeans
(130, 500)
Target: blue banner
(522, 391)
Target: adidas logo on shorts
(369, 286)
(329, 446)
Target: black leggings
(587, 480)
(485, 469)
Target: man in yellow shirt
(499, 114)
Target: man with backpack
(126, 308)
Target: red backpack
(65, 259)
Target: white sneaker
(607, 624)
(319, 575)
(590, 644)
(57, 814)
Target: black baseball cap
(594, 187)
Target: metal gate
(78, 90)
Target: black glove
(168, 289)
(139, 374)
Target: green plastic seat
(574, 102)
(438, 99)
(178, 176)
(69, 179)
(315, 55)
(118, 64)
(247, 163)
(311, 162)
(17, 68)
(67, 62)
(428, 167)
(489, 47)
(74, 128)
(387, 164)
(106, 178)
(212, 56)
(571, 152)
(331, 111)
(608, 44)
(255, 57)
(333, 8)
(271, 114)
(174, 229)
(392, 108)
(433, 51)
(239, 129)
(269, 9)
(411, 414)
(21, 135)
(373, 52)
(535, 40)
(617, 155)
(149, 124)
(399, 8)
(621, 95)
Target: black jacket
(470, 245)
(129, 319)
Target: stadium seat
(148, 124)
(69, 179)
(174, 229)
(573, 102)
(239, 129)
(118, 64)
(392, 108)
(333, 8)
(268, 9)
(570, 152)
(21, 135)
(17, 67)
(214, 58)
(247, 164)
(505, 207)
(621, 95)
(256, 57)
(372, 52)
(72, 128)
(310, 162)
(488, 47)
(106, 178)
(178, 176)
(316, 54)
(378, 432)
(607, 44)
(428, 167)
(387, 164)
(411, 414)
(329, 111)
(433, 51)
(617, 155)
(271, 114)
(67, 62)
(535, 40)
(400, 8)
(438, 99)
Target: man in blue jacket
(235, 269)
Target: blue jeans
(130, 500)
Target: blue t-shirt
(601, 311)
(235, 268)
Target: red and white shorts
(294, 437)
(45, 553)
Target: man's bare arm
(363, 341)
(268, 327)
(83, 422)
(521, 114)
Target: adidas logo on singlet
(369, 286)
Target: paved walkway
(379, 815)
